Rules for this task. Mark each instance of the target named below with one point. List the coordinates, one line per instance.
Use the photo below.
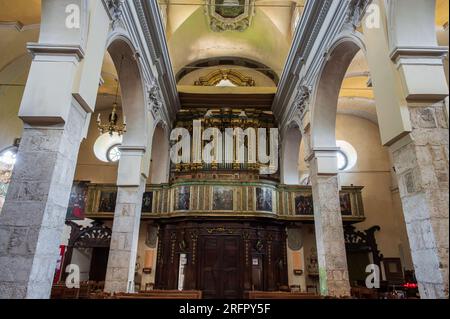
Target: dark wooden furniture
(57, 291)
(98, 237)
(362, 250)
(60, 291)
(364, 293)
(224, 259)
(161, 294)
(394, 271)
(279, 295)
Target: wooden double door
(221, 267)
(223, 259)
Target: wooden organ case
(224, 259)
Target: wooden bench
(364, 293)
(60, 291)
(279, 295)
(161, 294)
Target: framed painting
(222, 198)
(304, 204)
(147, 202)
(76, 209)
(183, 198)
(264, 199)
(346, 204)
(107, 201)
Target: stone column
(421, 164)
(127, 219)
(330, 241)
(32, 220)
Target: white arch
(327, 88)
(292, 138)
(160, 159)
(132, 84)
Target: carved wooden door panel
(231, 267)
(209, 267)
(220, 267)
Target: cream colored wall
(296, 280)
(10, 125)
(89, 168)
(14, 67)
(142, 248)
(309, 245)
(380, 196)
(373, 171)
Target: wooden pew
(57, 291)
(161, 294)
(279, 295)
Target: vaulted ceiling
(190, 39)
(266, 40)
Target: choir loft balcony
(237, 199)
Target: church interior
(93, 95)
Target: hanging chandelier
(112, 126)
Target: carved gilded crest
(233, 15)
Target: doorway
(99, 264)
(221, 269)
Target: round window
(342, 161)
(346, 156)
(113, 154)
(106, 147)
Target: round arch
(160, 159)
(131, 82)
(328, 87)
(292, 139)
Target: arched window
(7, 161)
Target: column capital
(422, 71)
(325, 160)
(130, 165)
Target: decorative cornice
(418, 52)
(52, 49)
(305, 36)
(320, 26)
(150, 20)
(322, 152)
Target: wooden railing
(227, 198)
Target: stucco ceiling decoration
(215, 77)
(247, 66)
(229, 15)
